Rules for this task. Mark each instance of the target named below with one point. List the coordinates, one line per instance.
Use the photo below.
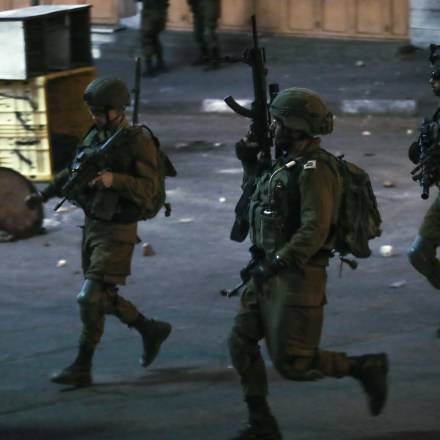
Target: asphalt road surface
(191, 391)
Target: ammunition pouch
(240, 228)
(104, 204)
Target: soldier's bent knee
(242, 351)
(421, 255)
(90, 292)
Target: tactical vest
(275, 206)
(274, 209)
(102, 203)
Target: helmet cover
(106, 93)
(302, 109)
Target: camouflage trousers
(107, 251)
(288, 313)
(205, 17)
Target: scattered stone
(388, 184)
(147, 250)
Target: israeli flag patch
(311, 164)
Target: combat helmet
(434, 58)
(107, 92)
(302, 109)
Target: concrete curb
(346, 107)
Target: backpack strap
(170, 170)
(150, 131)
(333, 163)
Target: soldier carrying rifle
(426, 154)
(289, 212)
(114, 178)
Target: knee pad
(90, 293)
(421, 255)
(242, 351)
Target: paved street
(191, 392)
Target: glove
(414, 153)
(265, 270)
(246, 151)
(35, 199)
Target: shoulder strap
(150, 131)
(170, 170)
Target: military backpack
(359, 217)
(165, 169)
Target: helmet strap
(111, 123)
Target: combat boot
(213, 61)
(149, 70)
(203, 57)
(160, 63)
(262, 424)
(371, 370)
(153, 335)
(161, 66)
(79, 372)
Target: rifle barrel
(254, 31)
(137, 89)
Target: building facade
(415, 21)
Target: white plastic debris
(62, 263)
(397, 284)
(49, 223)
(386, 250)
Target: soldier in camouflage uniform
(422, 253)
(112, 203)
(205, 17)
(291, 214)
(153, 22)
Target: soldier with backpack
(122, 193)
(293, 213)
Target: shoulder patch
(311, 164)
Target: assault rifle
(257, 255)
(89, 167)
(259, 132)
(427, 172)
(255, 57)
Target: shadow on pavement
(413, 435)
(168, 377)
(42, 432)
